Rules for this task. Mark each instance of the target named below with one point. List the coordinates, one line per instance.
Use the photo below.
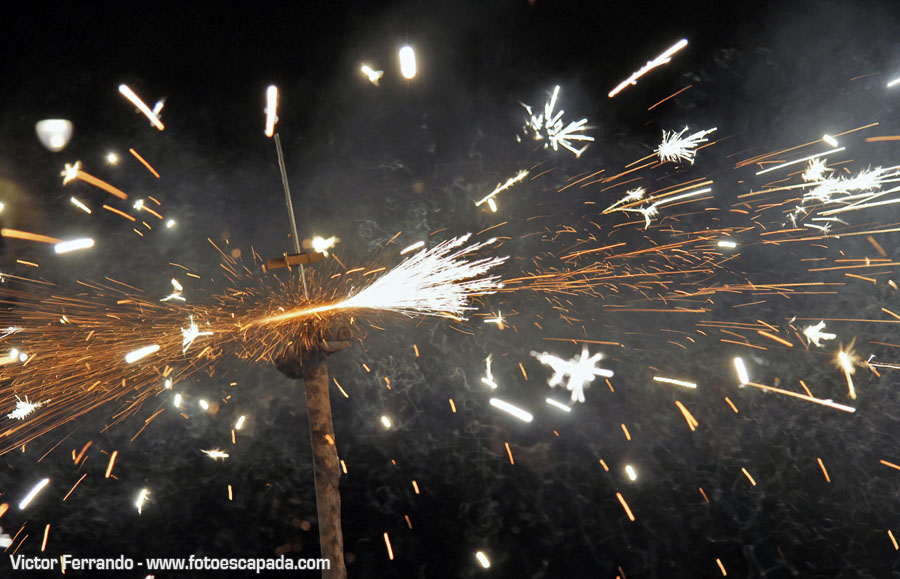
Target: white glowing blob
(54, 134)
(136, 355)
(386, 422)
(408, 62)
(512, 410)
(581, 371)
(271, 109)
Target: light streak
(142, 498)
(412, 247)
(136, 355)
(73, 245)
(830, 141)
(80, 205)
(741, 369)
(789, 163)
(825, 472)
(747, 474)
(386, 422)
(846, 361)
(721, 567)
(894, 82)
(191, 333)
(560, 405)
(112, 158)
(632, 474)
(512, 410)
(674, 381)
(660, 60)
(674, 146)
(24, 408)
(112, 462)
(893, 540)
(271, 110)
(73, 171)
(483, 560)
(23, 504)
(177, 401)
(488, 377)
(581, 370)
(170, 224)
(373, 75)
(16, 234)
(829, 403)
(726, 244)
(136, 101)
(502, 187)
(625, 506)
(142, 160)
(240, 422)
(216, 454)
(408, 66)
(203, 404)
(497, 320)
(387, 543)
(550, 126)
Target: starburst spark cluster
(550, 126)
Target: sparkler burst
(581, 371)
(550, 126)
(675, 146)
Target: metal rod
(290, 210)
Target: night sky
(412, 157)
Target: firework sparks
(191, 333)
(73, 245)
(846, 360)
(216, 454)
(23, 504)
(489, 198)
(271, 110)
(373, 75)
(581, 371)
(134, 356)
(662, 59)
(674, 146)
(488, 377)
(512, 410)
(434, 282)
(550, 126)
(815, 335)
(322, 245)
(141, 106)
(24, 408)
(142, 498)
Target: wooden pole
(325, 461)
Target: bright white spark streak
(632, 474)
(24, 408)
(727, 244)
(177, 285)
(674, 381)
(80, 205)
(674, 147)
(386, 422)
(522, 415)
(815, 335)
(488, 377)
(215, 454)
(177, 401)
(374, 75)
(23, 504)
(271, 109)
(203, 404)
(112, 158)
(741, 370)
(433, 282)
(240, 422)
(136, 355)
(652, 210)
(894, 82)
(170, 223)
(660, 60)
(498, 320)
(158, 107)
(503, 186)
(804, 159)
(816, 170)
(830, 141)
(412, 247)
(168, 384)
(408, 62)
(322, 245)
(581, 370)
(73, 245)
(136, 101)
(558, 404)
(550, 126)
(189, 334)
(142, 498)
(483, 559)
